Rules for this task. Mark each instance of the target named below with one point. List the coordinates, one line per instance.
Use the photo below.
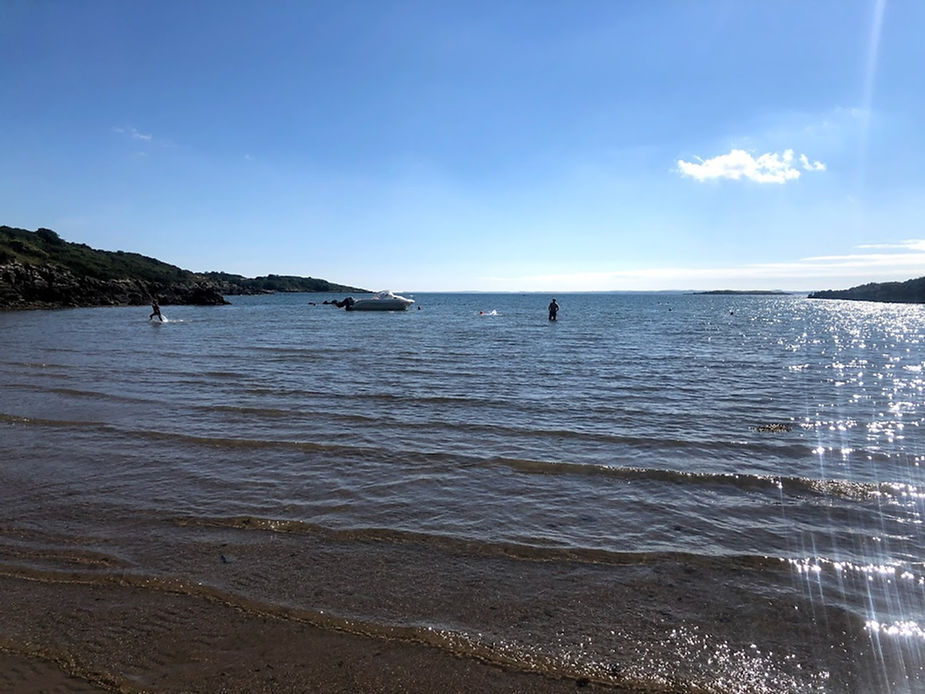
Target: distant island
(908, 292)
(748, 292)
(39, 269)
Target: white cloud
(772, 167)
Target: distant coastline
(40, 270)
(908, 292)
(747, 292)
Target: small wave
(57, 557)
(312, 353)
(231, 443)
(225, 375)
(79, 393)
(373, 403)
(481, 548)
(791, 485)
(37, 421)
(37, 365)
(794, 486)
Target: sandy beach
(69, 637)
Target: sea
(664, 492)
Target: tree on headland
(49, 236)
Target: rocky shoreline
(47, 286)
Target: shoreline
(127, 639)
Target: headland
(39, 269)
(908, 292)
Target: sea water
(657, 491)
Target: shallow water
(665, 491)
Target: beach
(654, 493)
(132, 639)
(79, 616)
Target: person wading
(553, 309)
(155, 310)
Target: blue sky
(441, 146)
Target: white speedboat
(380, 301)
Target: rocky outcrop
(49, 286)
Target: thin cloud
(910, 245)
(803, 271)
(133, 134)
(811, 165)
(772, 167)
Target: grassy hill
(39, 269)
(44, 247)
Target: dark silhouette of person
(553, 309)
(155, 311)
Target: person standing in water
(155, 311)
(553, 309)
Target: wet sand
(71, 637)
(22, 674)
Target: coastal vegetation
(39, 269)
(908, 292)
(238, 284)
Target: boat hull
(380, 305)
